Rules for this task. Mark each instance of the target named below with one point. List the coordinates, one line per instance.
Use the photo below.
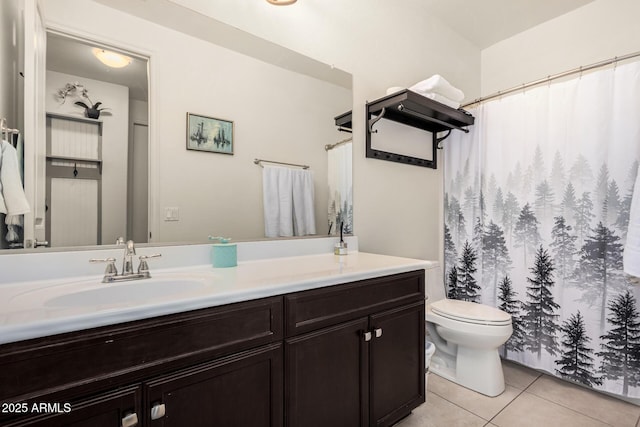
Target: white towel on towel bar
(277, 198)
(438, 84)
(288, 198)
(12, 198)
(441, 99)
(632, 247)
(304, 218)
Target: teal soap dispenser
(223, 253)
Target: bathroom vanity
(298, 341)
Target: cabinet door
(327, 377)
(115, 409)
(242, 390)
(397, 363)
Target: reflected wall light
(282, 2)
(111, 59)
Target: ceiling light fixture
(282, 2)
(111, 59)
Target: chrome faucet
(127, 259)
(111, 272)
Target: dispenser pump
(341, 248)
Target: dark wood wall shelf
(343, 122)
(412, 109)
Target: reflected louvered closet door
(74, 181)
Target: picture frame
(209, 134)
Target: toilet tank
(434, 284)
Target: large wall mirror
(130, 172)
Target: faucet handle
(143, 267)
(111, 269)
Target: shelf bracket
(375, 120)
(442, 138)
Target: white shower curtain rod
(553, 77)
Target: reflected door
(74, 181)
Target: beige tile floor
(531, 399)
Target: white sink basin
(90, 294)
(135, 291)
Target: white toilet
(467, 336)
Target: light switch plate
(172, 214)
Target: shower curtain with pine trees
(537, 200)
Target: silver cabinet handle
(130, 420)
(157, 411)
(367, 336)
(378, 332)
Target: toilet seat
(470, 312)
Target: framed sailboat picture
(209, 134)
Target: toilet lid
(470, 312)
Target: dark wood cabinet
(193, 356)
(397, 363)
(327, 380)
(243, 390)
(346, 355)
(359, 371)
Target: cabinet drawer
(120, 354)
(309, 310)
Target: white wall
(397, 207)
(595, 32)
(191, 75)
(115, 140)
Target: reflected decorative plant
(78, 90)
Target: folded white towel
(438, 84)
(441, 99)
(277, 196)
(632, 247)
(304, 217)
(12, 198)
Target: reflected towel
(340, 186)
(12, 198)
(632, 248)
(304, 218)
(20, 155)
(438, 84)
(277, 195)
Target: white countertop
(33, 309)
